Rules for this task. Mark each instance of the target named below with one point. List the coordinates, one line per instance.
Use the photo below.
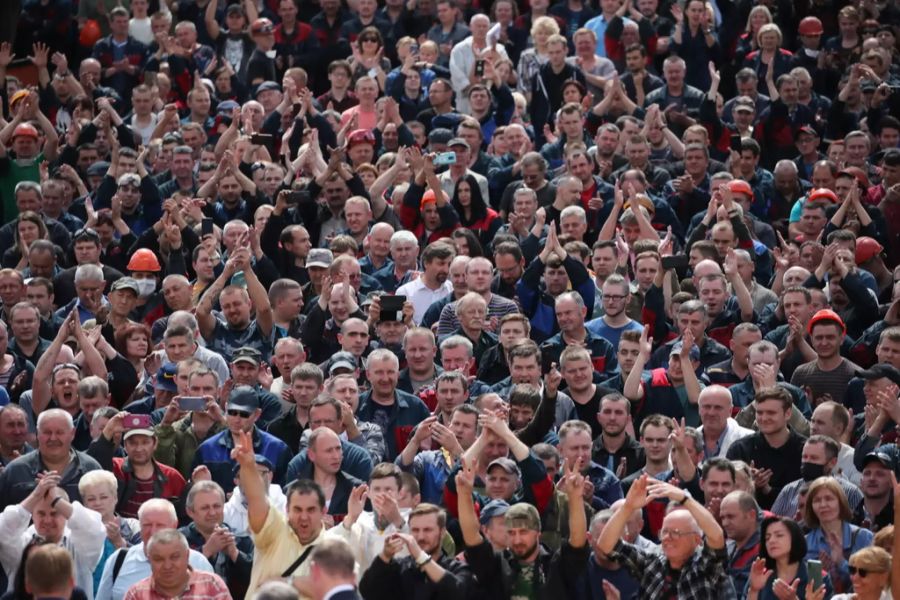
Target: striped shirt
(201, 586)
(497, 307)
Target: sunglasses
(860, 571)
(239, 413)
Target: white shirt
(135, 568)
(462, 62)
(83, 537)
(236, 511)
(422, 296)
(366, 539)
(846, 467)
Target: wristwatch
(423, 561)
(683, 501)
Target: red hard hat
(90, 33)
(811, 26)
(826, 314)
(739, 186)
(866, 249)
(823, 194)
(25, 129)
(144, 259)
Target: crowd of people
(444, 299)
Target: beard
(523, 555)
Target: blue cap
(165, 377)
(260, 461)
(494, 508)
(695, 350)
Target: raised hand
(243, 450)
(759, 574)
(357, 502)
(465, 477)
(646, 344)
(40, 55)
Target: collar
(346, 587)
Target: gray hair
(525, 191)
(276, 590)
(202, 487)
(159, 504)
(88, 272)
(455, 341)
(52, 413)
(573, 210)
(786, 165)
(383, 354)
(167, 536)
(403, 236)
(93, 386)
(105, 412)
(183, 317)
(29, 186)
(573, 296)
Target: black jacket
(401, 579)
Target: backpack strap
(121, 554)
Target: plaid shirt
(700, 579)
(201, 586)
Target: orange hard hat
(739, 186)
(90, 33)
(144, 259)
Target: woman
(473, 211)
(573, 91)
(29, 227)
(694, 37)
(845, 48)
(532, 59)
(467, 243)
(782, 564)
(769, 40)
(368, 57)
(832, 538)
(870, 573)
(747, 42)
(125, 362)
(18, 591)
(99, 491)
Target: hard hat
(144, 260)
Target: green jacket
(177, 444)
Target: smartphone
(391, 307)
(736, 142)
(206, 227)
(445, 159)
(547, 361)
(674, 262)
(191, 403)
(413, 48)
(261, 139)
(239, 279)
(814, 573)
(479, 68)
(298, 196)
(137, 422)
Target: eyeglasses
(238, 413)
(674, 533)
(613, 298)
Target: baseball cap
(806, 130)
(459, 142)
(360, 136)
(523, 515)
(226, 107)
(246, 354)
(885, 460)
(342, 360)
(259, 459)
(135, 420)
(507, 464)
(267, 86)
(262, 25)
(694, 353)
(98, 169)
(26, 129)
(125, 283)
(810, 26)
(440, 135)
(243, 397)
(879, 371)
(319, 257)
(866, 249)
(494, 508)
(447, 121)
(744, 103)
(826, 314)
(165, 377)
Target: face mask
(146, 287)
(811, 472)
(812, 53)
(271, 53)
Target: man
(395, 411)
(875, 512)
(426, 572)
(230, 554)
(526, 559)
(55, 433)
(463, 57)
(693, 315)
(833, 420)
(246, 368)
(775, 452)
(155, 515)
(739, 516)
(432, 284)
(719, 429)
(828, 375)
(140, 476)
(570, 312)
(819, 459)
(614, 448)
(602, 488)
(306, 383)
(686, 98)
(460, 169)
(730, 372)
(71, 526)
(13, 433)
(238, 329)
(324, 468)
(763, 364)
(121, 56)
(479, 273)
(420, 350)
(615, 296)
(171, 573)
(404, 254)
(603, 572)
(242, 412)
(332, 572)
(25, 339)
(50, 573)
(579, 370)
(701, 574)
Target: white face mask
(271, 53)
(812, 53)
(146, 287)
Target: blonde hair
(820, 485)
(545, 24)
(96, 478)
(758, 9)
(872, 558)
(770, 28)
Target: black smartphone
(736, 142)
(547, 361)
(261, 139)
(479, 68)
(206, 227)
(674, 262)
(391, 307)
(298, 196)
